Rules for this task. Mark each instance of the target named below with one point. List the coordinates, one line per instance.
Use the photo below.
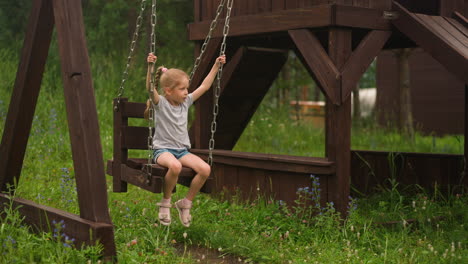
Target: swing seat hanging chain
(133, 43)
(150, 94)
(217, 91)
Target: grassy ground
(261, 231)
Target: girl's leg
(174, 166)
(168, 160)
(202, 169)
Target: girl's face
(179, 93)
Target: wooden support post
(120, 155)
(338, 125)
(81, 112)
(25, 93)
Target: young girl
(171, 141)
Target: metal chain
(217, 90)
(129, 57)
(207, 38)
(152, 87)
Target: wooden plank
(458, 26)
(264, 6)
(360, 60)
(291, 4)
(323, 16)
(460, 18)
(120, 152)
(197, 10)
(359, 17)
(133, 137)
(267, 23)
(381, 4)
(42, 218)
(455, 38)
(361, 3)
(319, 63)
(81, 112)
(338, 125)
(25, 93)
(140, 179)
(277, 5)
(133, 109)
(438, 47)
(447, 7)
(284, 163)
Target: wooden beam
(319, 63)
(25, 93)
(326, 15)
(81, 112)
(359, 17)
(42, 218)
(360, 60)
(273, 162)
(338, 125)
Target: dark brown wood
(358, 17)
(25, 93)
(460, 18)
(455, 23)
(197, 10)
(277, 5)
(284, 20)
(246, 82)
(42, 218)
(119, 151)
(373, 169)
(319, 63)
(421, 30)
(274, 162)
(338, 125)
(427, 77)
(84, 132)
(81, 112)
(360, 60)
(447, 7)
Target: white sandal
(164, 219)
(184, 213)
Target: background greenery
(258, 231)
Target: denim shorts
(178, 153)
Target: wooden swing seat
(134, 170)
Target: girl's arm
(208, 81)
(153, 95)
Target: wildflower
(184, 235)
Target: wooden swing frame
(94, 224)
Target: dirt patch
(207, 255)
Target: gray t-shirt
(171, 124)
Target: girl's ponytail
(157, 77)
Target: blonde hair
(165, 79)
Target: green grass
(259, 231)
